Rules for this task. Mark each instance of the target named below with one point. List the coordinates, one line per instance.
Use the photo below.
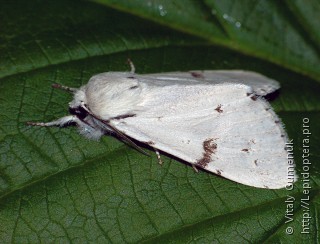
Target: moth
(215, 120)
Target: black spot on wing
(123, 116)
(150, 143)
(253, 96)
(196, 75)
(218, 108)
(209, 147)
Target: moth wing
(260, 84)
(223, 128)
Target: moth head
(79, 111)
(79, 98)
(76, 105)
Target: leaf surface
(286, 34)
(57, 186)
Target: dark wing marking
(123, 136)
(116, 131)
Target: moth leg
(195, 168)
(65, 88)
(133, 69)
(158, 156)
(59, 122)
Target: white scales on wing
(215, 120)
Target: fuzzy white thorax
(112, 94)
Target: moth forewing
(215, 120)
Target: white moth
(214, 120)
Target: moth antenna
(65, 88)
(59, 122)
(133, 69)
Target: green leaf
(285, 35)
(56, 186)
